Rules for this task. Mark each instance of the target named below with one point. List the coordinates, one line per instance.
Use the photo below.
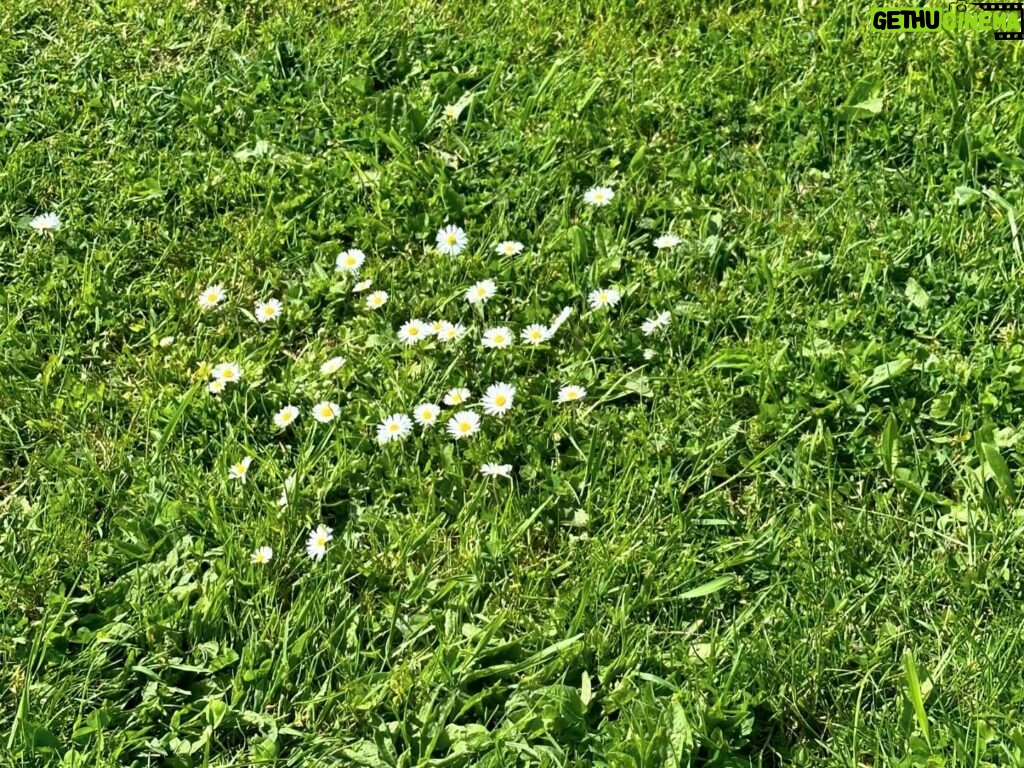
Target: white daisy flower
(268, 310)
(350, 260)
(604, 297)
(666, 241)
(598, 196)
(211, 296)
(394, 427)
(325, 411)
(508, 248)
(45, 222)
(451, 240)
(229, 373)
(166, 341)
(285, 416)
(463, 424)
(426, 414)
(316, 544)
(497, 338)
(481, 292)
(450, 331)
(289, 486)
(216, 386)
(653, 324)
(498, 399)
(456, 396)
(376, 300)
(452, 111)
(240, 470)
(649, 354)
(361, 286)
(571, 393)
(413, 331)
(536, 334)
(327, 367)
(496, 470)
(262, 555)
(560, 319)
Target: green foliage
(789, 534)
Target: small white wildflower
(426, 414)
(45, 222)
(451, 240)
(497, 338)
(536, 334)
(481, 292)
(413, 331)
(496, 470)
(598, 196)
(655, 323)
(211, 296)
(508, 248)
(268, 310)
(316, 545)
(262, 555)
(394, 427)
(376, 300)
(666, 241)
(361, 286)
(285, 416)
(450, 331)
(604, 297)
(456, 396)
(350, 260)
(325, 411)
(333, 365)
(463, 424)
(571, 393)
(240, 470)
(229, 373)
(498, 398)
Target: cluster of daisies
(496, 401)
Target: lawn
(749, 498)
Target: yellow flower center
(414, 331)
(465, 426)
(451, 239)
(321, 541)
(571, 395)
(500, 400)
(393, 427)
(499, 338)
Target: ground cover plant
(508, 384)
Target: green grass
(793, 536)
